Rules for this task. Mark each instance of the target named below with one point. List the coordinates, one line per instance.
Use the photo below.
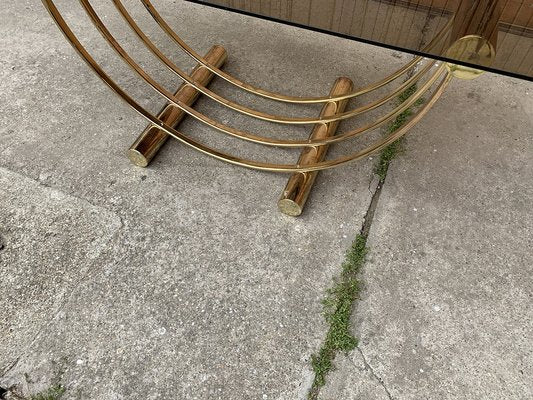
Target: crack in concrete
(373, 372)
(375, 187)
(10, 367)
(371, 210)
(374, 184)
(365, 229)
(60, 190)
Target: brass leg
(299, 186)
(143, 150)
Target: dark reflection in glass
(495, 35)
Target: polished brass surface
(407, 25)
(437, 39)
(230, 104)
(476, 19)
(299, 185)
(143, 150)
(470, 47)
(424, 89)
(473, 37)
(246, 135)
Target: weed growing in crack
(391, 151)
(52, 393)
(337, 311)
(340, 299)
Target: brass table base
(299, 185)
(422, 83)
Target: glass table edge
(362, 40)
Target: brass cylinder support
(299, 185)
(144, 149)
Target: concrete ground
(182, 281)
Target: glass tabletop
(491, 35)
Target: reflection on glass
(489, 34)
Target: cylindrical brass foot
(143, 150)
(299, 186)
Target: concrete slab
(446, 311)
(50, 242)
(198, 288)
(205, 291)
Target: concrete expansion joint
(359, 246)
(373, 372)
(374, 184)
(375, 189)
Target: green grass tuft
(391, 151)
(52, 393)
(388, 154)
(337, 311)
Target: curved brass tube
(278, 96)
(71, 37)
(235, 132)
(242, 109)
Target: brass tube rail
(278, 96)
(250, 136)
(144, 149)
(232, 105)
(440, 72)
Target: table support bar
(299, 186)
(144, 149)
